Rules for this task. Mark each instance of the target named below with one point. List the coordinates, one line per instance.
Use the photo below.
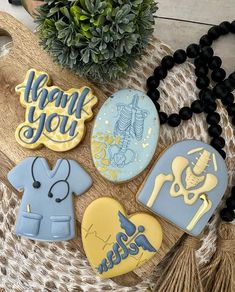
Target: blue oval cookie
(125, 135)
(186, 185)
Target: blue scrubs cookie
(46, 212)
(125, 135)
(186, 185)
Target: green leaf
(65, 11)
(83, 17)
(83, 4)
(85, 27)
(86, 56)
(87, 34)
(100, 21)
(52, 11)
(94, 57)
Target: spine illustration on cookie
(54, 118)
(125, 135)
(130, 125)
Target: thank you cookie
(54, 118)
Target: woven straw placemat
(62, 267)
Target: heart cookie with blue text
(115, 243)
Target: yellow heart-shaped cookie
(115, 243)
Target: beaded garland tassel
(205, 62)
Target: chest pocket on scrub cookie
(60, 226)
(29, 224)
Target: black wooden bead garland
(204, 60)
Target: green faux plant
(95, 38)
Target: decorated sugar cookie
(186, 185)
(125, 135)
(116, 243)
(54, 118)
(46, 211)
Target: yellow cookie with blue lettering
(53, 118)
(116, 243)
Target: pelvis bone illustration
(189, 182)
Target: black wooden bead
(215, 130)
(233, 121)
(230, 202)
(152, 82)
(230, 84)
(193, 50)
(220, 90)
(202, 82)
(199, 62)
(197, 106)
(206, 40)
(213, 118)
(228, 99)
(168, 62)
(222, 153)
(207, 53)
(232, 76)
(174, 120)
(231, 110)
(225, 27)
(233, 191)
(218, 142)
(157, 105)
(207, 95)
(201, 71)
(180, 56)
(214, 62)
(210, 108)
(160, 73)
(153, 93)
(202, 92)
(162, 117)
(227, 214)
(218, 75)
(214, 32)
(232, 27)
(185, 113)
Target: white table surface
(173, 27)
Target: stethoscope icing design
(37, 184)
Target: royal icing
(186, 185)
(54, 118)
(115, 243)
(46, 211)
(125, 135)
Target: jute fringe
(219, 274)
(181, 274)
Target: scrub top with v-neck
(46, 213)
